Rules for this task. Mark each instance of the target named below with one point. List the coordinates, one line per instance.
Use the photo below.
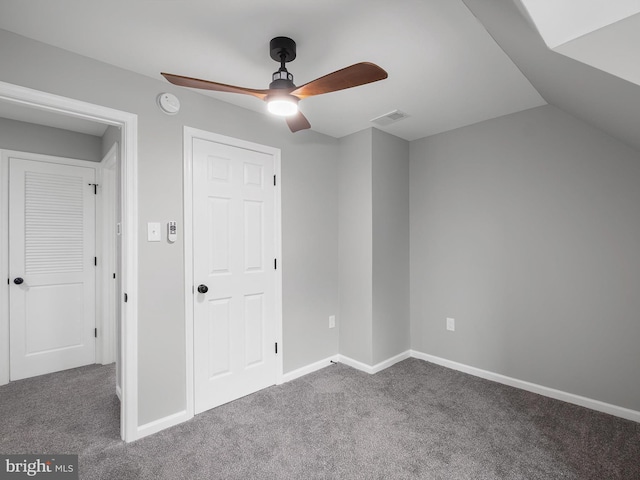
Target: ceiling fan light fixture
(282, 105)
(283, 95)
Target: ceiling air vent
(389, 118)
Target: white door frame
(105, 246)
(189, 135)
(128, 123)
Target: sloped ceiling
(613, 48)
(561, 21)
(599, 98)
(445, 70)
(601, 33)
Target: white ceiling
(445, 70)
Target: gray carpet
(413, 420)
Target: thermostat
(172, 231)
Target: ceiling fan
(283, 95)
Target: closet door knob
(203, 288)
(18, 280)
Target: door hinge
(95, 332)
(114, 275)
(276, 347)
(95, 261)
(274, 180)
(95, 188)
(125, 298)
(275, 263)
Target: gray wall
(310, 247)
(526, 230)
(28, 137)
(356, 247)
(390, 246)
(309, 211)
(374, 246)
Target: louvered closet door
(52, 248)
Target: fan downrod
(282, 50)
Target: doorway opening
(123, 179)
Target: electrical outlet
(451, 324)
(332, 321)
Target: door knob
(18, 280)
(201, 288)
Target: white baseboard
(313, 367)
(377, 367)
(533, 387)
(162, 423)
(355, 364)
(597, 405)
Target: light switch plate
(153, 232)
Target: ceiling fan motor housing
(282, 49)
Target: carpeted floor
(414, 420)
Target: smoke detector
(389, 118)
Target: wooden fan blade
(298, 122)
(353, 76)
(207, 85)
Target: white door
(51, 264)
(233, 256)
